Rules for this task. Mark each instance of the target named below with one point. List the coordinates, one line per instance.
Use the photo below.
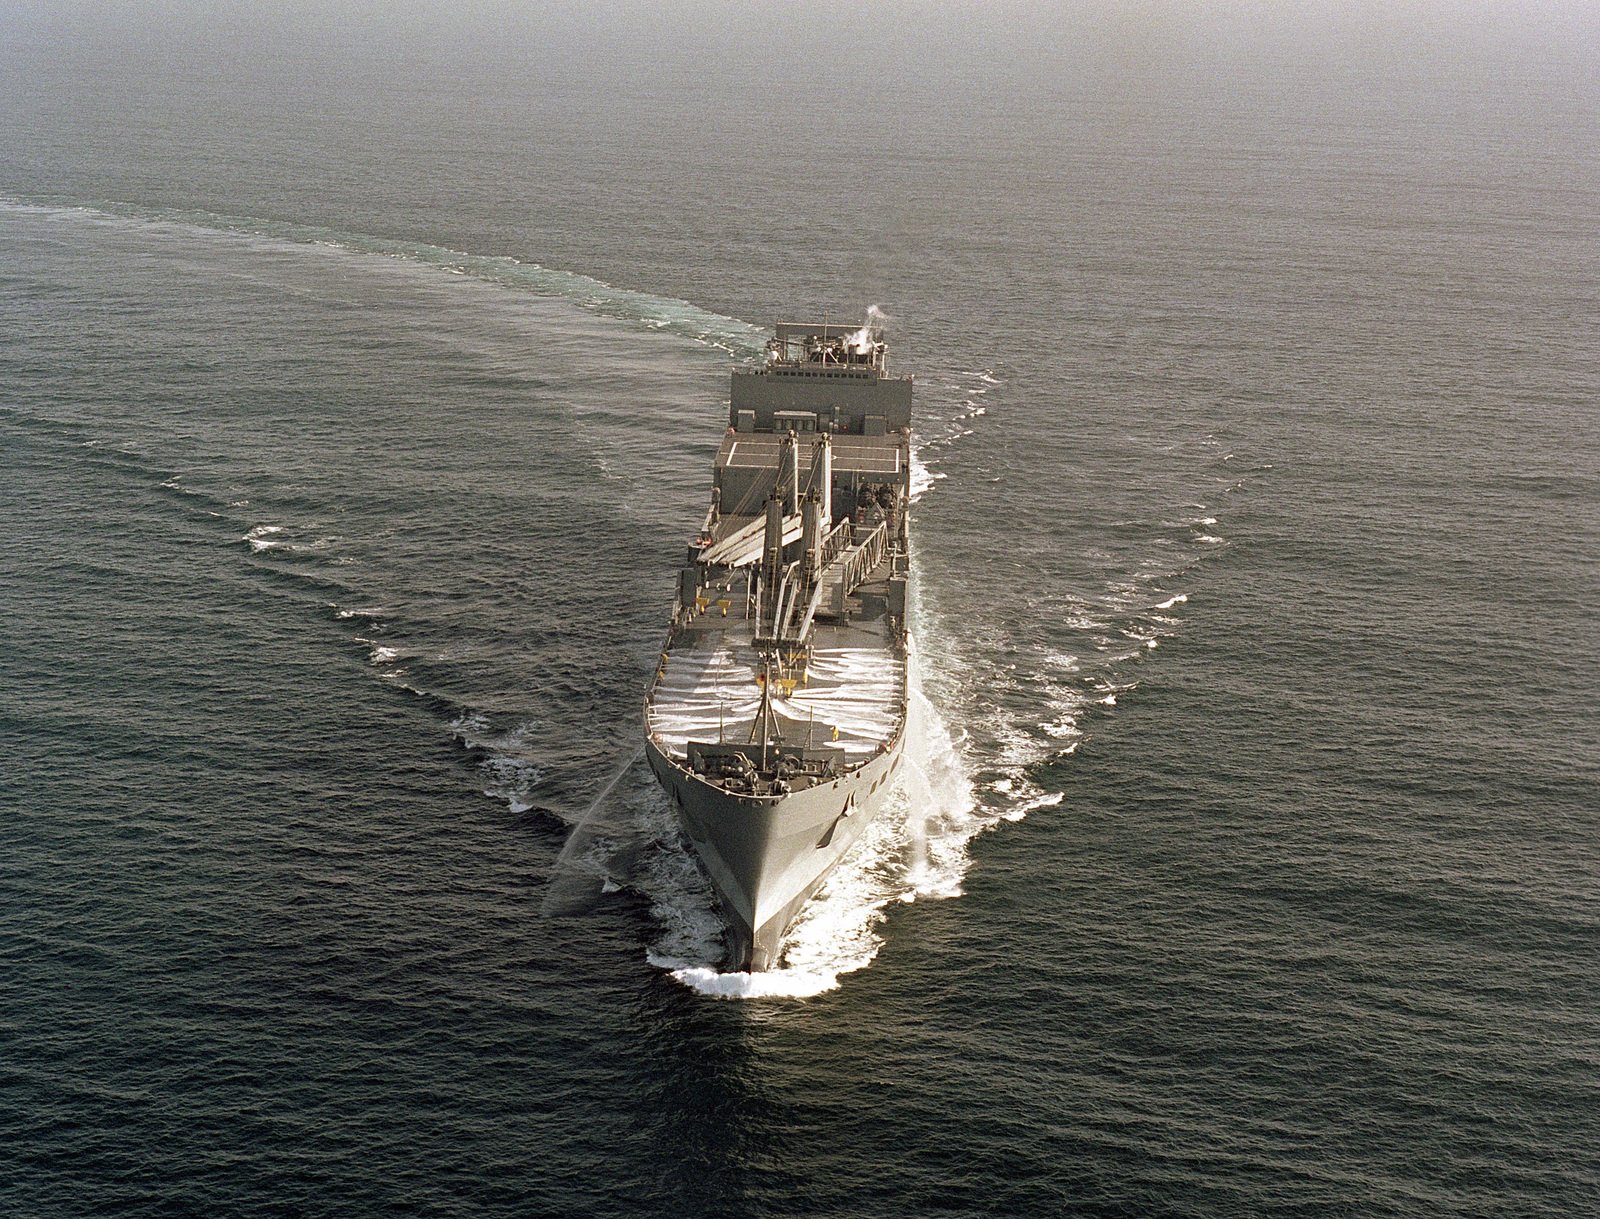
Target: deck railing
(866, 557)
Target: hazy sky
(959, 42)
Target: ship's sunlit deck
(709, 690)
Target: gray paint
(839, 397)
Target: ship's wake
(1056, 656)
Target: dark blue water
(347, 441)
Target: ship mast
(765, 725)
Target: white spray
(861, 341)
(580, 870)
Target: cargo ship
(776, 718)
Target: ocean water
(348, 437)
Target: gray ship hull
(768, 856)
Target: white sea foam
(261, 537)
(507, 774)
(774, 984)
(469, 727)
(1043, 800)
(384, 655)
(922, 477)
(1018, 795)
(1066, 726)
(511, 779)
(269, 537)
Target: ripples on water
(1254, 738)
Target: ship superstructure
(776, 718)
